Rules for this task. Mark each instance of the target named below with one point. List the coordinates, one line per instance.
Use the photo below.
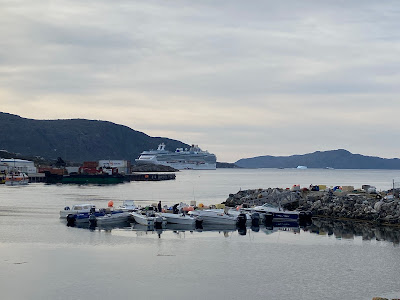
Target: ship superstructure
(192, 158)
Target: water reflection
(349, 230)
(339, 229)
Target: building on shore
(9, 164)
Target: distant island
(335, 159)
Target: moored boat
(148, 218)
(16, 178)
(128, 205)
(111, 218)
(215, 216)
(77, 209)
(271, 212)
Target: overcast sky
(239, 78)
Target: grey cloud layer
(265, 55)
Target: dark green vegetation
(221, 165)
(75, 140)
(337, 159)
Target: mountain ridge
(76, 139)
(337, 159)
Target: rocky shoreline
(359, 205)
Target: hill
(337, 159)
(76, 139)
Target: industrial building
(9, 164)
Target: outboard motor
(92, 221)
(268, 218)
(199, 223)
(158, 222)
(71, 220)
(255, 219)
(241, 220)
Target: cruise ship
(193, 158)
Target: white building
(9, 164)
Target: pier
(40, 177)
(37, 177)
(151, 177)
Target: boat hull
(210, 217)
(179, 219)
(115, 217)
(147, 220)
(180, 166)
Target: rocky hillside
(337, 159)
(76, 139)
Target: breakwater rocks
(356, 205)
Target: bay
(42, 258)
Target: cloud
(240, 78)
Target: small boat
(182, 219)
(16, 178)
(271, 212)
(148, 218)
(128, 205)
(77, 209)
(98, 218)
(215, 216)
(302, 167)
(112, 217)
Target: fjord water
(42, 258)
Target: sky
(239, 78)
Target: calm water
(42, 258)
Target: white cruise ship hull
(181, 166)
(192, 159)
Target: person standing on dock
(159, 206)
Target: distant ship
(193, 158)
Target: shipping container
(90, 164)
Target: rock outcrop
(356, 205)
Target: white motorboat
(111, 218)
(180, 218)
(215, 216)
(128, 205)
(275, 213)
(148, 218)
(16, 178)
(77, 209)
